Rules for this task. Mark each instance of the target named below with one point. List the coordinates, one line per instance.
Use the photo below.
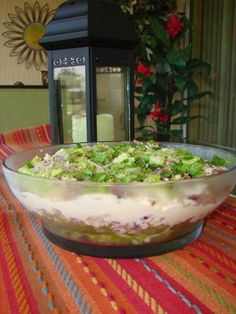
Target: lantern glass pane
(112, 103)
(73, 106)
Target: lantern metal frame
(81, 33)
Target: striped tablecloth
(38, 277)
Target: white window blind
(215, 42)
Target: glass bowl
(121, 220)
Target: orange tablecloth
(38, 277)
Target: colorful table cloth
(38, 277)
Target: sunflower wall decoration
(25, 28)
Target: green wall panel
(23, 108)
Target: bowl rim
(134, 183)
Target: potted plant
(165, 74)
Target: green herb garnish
(124, 162)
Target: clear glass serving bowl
(121, 220)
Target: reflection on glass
(111, 103)
(73, 106)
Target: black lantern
(91, 72)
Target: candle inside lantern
(105, 128)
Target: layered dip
(124, 193)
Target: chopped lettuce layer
(124, 162)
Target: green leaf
(180, 120)
(159, 31)
(199, 95)
(180, 82)
(219, 161)
(197, 117)
(100, 177)
(163, 68)
(141, 118)
(192, 88)
(28, 164)
(195, 169)
(142, 110)
(195, 65)
(185, 119)
(147, 100)
(178, 107)
(150, 41)
(177, 57)
(187, 51)
(146, 84)
(153, 78)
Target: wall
(23, 107)
(11, 70)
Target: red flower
(158, 114)
(164, 117)
(155, 112)
(174, 26)
(144, 70)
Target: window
(214, 40)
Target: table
(38, 277)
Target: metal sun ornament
(25, 29)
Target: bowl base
(123, 251)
